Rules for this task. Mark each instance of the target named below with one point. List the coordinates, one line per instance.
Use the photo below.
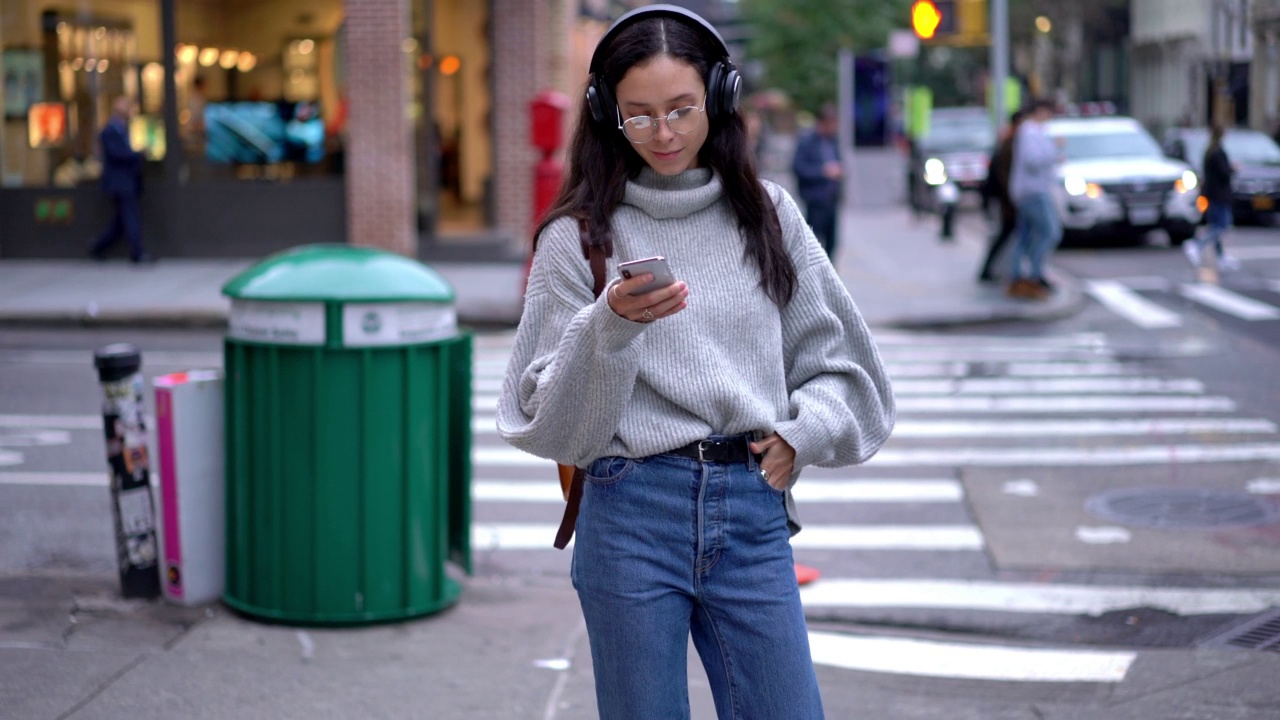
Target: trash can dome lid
(321, 273)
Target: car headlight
(1075, 185)
(935, 173)
(1186, 183)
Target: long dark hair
(601, 159)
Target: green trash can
(348, 438)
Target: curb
(1067, 302)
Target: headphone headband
(649, 11)
(724, 85)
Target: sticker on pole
(284, 323)
(380, 324)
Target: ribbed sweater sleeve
(574, 359)
(841, 403)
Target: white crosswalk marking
(984, 402)
(1231, 303)
(1131, 306)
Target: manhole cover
(1179, 508)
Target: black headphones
(724, 85)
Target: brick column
(379, 150)
(519, 36)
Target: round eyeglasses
(642, 128)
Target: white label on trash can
(284, 323)
(374, 324)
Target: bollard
(126, 437)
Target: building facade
(1191, 61)
(272, 123)
(1265, 78)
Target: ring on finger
(764, 474)
(647, 315)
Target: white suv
(1117, 182)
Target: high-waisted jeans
(667, 546)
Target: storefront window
(452, 93)
(258, 88)
(61, 72)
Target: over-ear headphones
(724, 85)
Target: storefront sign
(284, 323)
(376, 324)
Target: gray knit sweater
(584, 383)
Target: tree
(797, 41)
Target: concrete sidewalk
(898, 270)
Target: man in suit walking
(122, 182)
(819, 175)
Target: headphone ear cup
(594, 104)
(715, 82)
(731, 97)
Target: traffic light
(950, 22)
(925, 18)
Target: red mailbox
(546, 113)
(546, 124)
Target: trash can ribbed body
(348, 439)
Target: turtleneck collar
(673, 196)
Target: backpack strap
(571, 478)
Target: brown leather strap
(570, 519)
(596, 256)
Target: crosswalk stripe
(970, 428)
(1130, 305)
(493, 375)
(930, 658)
(546, 491)
(1223, 300)
(1049, 598)
(994, 386)
(1256, 252)
(520, 536)
(499, 456)
(1037, 404)
(826, 491)
(1065, 404)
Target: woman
(1216, 189)
(694, 406)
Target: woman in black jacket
(1216, 188)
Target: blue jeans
(667, 546)
(1039, 232)
(1217, 219)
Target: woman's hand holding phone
(648, 306)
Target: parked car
(1118, 184)
(1256, 158)
(955, 148)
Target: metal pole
(845, 98)
(132, 504)
(999, 57)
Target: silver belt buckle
(702, 448)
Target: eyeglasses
(642, 128)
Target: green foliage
(797, 41)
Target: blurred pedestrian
(691, 407)
(997, 188)
(122, 183)
(819, 177)
(1216, 189)
(1031, 180)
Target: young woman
(1216, 188)
(692, 407)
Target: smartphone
(662, 276)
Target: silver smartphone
(662, 276)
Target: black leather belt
(729, 450)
